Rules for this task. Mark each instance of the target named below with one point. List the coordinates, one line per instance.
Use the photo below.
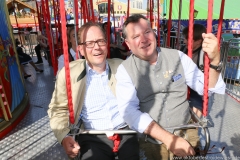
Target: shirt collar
(73, 53)
(90, 70)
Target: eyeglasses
(91, 44)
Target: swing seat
(109, 133)
(200, 123)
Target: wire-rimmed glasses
(91, 44)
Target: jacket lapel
(78, 92)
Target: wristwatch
(218, 67)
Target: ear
(80, 48)
(127, 42)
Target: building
(120, 8)
(137, 4)
(28, 19)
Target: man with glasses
(94, 102)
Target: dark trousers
(47, 54)
(38, 52)
(95, 147)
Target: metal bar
(179, 24)
(207, 140)
(75, 10)
(107, 132)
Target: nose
(143, 38)
(96, 45)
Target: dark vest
(161, 88)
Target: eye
(135, 37)
(89, 43)
(101, 42)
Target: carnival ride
(87, 14)
(14, 99)
(203, 123)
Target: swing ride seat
(200, 123)
(78, 129)
(108, 133)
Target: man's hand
(180, 147)
(70, 146)
(177, 145)
(210, 46)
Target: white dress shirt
(100, 111)
(128, 101)
(61, 59)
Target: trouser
(99, 147)
(38, 52)
(47, 54)
(152, 151)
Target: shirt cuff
(219, 87)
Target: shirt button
(160, 82)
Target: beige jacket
(58, 107)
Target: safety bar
(107, 132)
(201, 123)
(196, 125)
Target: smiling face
(72, 38)
(96, 55)
(140, 38)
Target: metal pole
(169, 24)
(158, 25)
(75, 10)
(179, 24)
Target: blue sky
(144, 3)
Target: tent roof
(231, 10)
